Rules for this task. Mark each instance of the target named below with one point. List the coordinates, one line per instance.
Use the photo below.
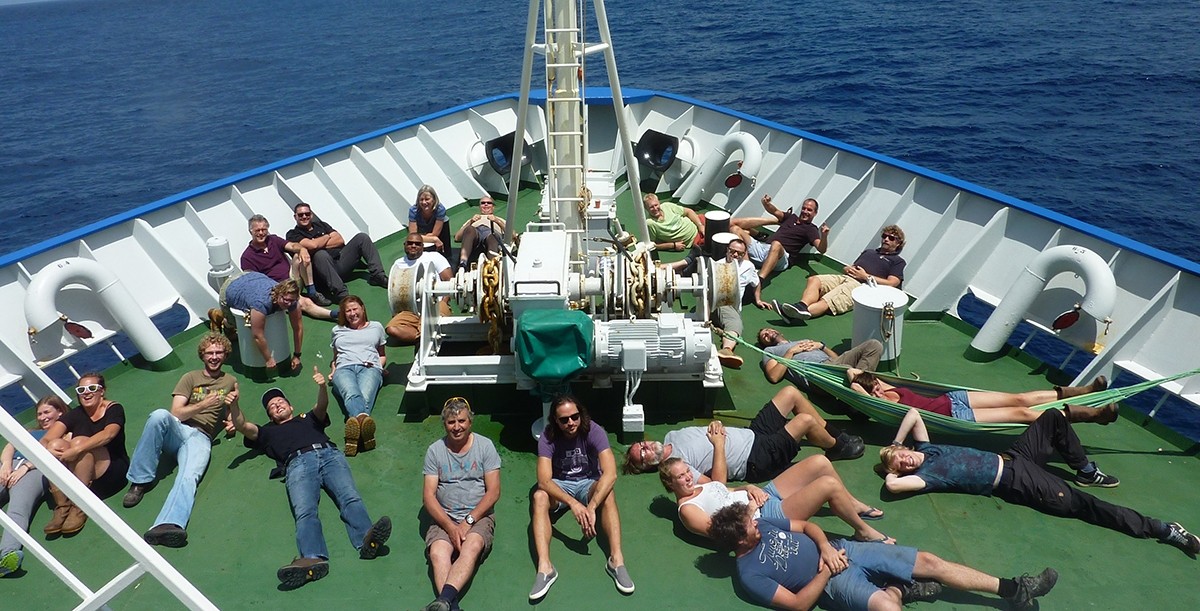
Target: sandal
(871, 513)
(886, 540)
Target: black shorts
(113, 480)
(773, 448)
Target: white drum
(872, 320)
(717, 243)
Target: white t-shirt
(440, 263)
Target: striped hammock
(832, 379)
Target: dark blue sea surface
(1088, 109)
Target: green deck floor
(242, 530)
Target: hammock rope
(832, 379)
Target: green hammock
(832, 379)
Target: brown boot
(62, 504)
(74, 521)
(353, 432)
(1097, 385)
(366, 427)
(1099, 415)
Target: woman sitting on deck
(94, 451)
(986, 405)
(22, 486)
(358, 362)
(428, 217)
(795, 495)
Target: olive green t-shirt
(194, 385)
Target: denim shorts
(772, 511)
(578, 489)
(960, 406)
(758, 255)
(872, 565)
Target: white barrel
(718, 243)
(219, 257)
(870, 305)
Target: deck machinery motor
(640, 330)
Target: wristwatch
(470, 519)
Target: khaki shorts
(406, 319)
(835, 290)
(485, 527)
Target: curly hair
(213, 339)
(728, 526)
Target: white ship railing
(146, 559)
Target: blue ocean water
(1086, 109)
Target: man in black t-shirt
(331, 256)
(312, 462)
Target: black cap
(271, 394)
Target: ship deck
(241, 529)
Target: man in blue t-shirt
(576, 470)
(795, 570)
(1019, 476)
(311, 463)
(831, 293)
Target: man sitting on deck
(405, 326)
(864, 356)
(794, 233)
(331, 256)
(1019, 476)
(197, 412)
(755, 454)
(267, 254)
(672, 227)
(795, 570)
(462, 484)
(311, 462)
(830, 293)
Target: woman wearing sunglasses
(95, 452)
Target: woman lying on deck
(986, 405)
(795, 495)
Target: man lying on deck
(1019, 476)
(310, 463)
(831, 293)
(795, 570)
(756, 454)
(987, 405)
(863, 356)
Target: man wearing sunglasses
(331, 256)
(576, 470)
(830, 293)
(729, 317)
(198, 405)
(405, 326)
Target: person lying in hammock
(1019, 476)
(987, 405)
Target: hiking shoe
(1030, 587)
(379, 279)
(848, 447)
(796, 311)
(10, 562)
(376, 536)
(366, 432)
(353, 432)
(437, 605)
(134, 495)
(1095, 478)
(166, 535)
(919, 590)
(1181, 538)
(302, 571)
(729, 359)
(542, 583)
(620, 576)
(320, 299)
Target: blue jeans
(307, 474)
(356, 386)
(192, 448)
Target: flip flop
(872, 513)
(883, 539)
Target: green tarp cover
(553, 345)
